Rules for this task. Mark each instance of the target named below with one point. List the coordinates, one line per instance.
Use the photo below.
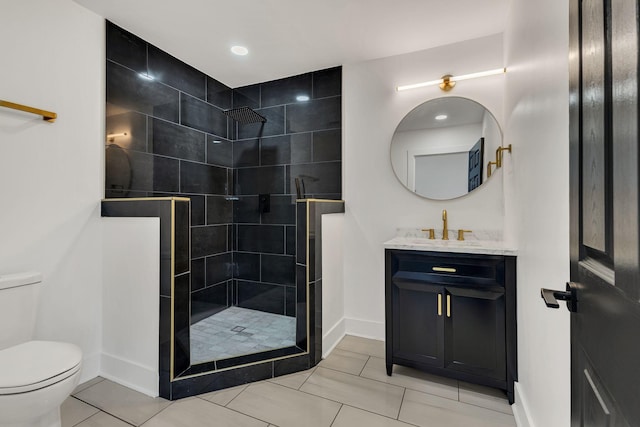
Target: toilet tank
(18, 307)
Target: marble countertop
(479, 242)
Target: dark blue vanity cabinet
(452, 314)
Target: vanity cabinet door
(418, 316)
(474, 332)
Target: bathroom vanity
(451, 309)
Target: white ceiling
(459, 112)
(289, 37)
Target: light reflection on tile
(294, 381)
(193, 412)
(428, 410)
(345, 361)
(285, 407)
(122, 402)
(223, 397)
(362, 345)
(74, 411)
(411, 378)
(485, 397)
(374, 396)
(352, 417)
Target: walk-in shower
(237, 158)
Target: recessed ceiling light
(302, 98)
(239, 50)
(441, 117)
(145, 76)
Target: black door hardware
(552, 296)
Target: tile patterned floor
(349, 388)
(237, 331)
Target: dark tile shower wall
(301, 139)
(176, 144)
(179, 143)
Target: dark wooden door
(418, 313)
(474, 332)
(476, 163)
(605, 326)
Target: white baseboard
(90, 367)
(332, 337)
(521, 408)
(130, 374)
(365, 328)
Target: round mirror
(438, 149)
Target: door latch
(552, 296)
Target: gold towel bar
(46, 115)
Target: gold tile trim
(241, 366)
(173, 283)
(147, 199)
(320, 200)
(308, 284)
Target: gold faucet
(445, 230)
(431, 231)
(461, 234)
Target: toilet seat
(37, 364)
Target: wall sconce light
(112, 136)
(498, 161)
(499, 154)
(489, 168)
(447, 82)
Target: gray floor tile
(294, 381)
(200, 413)
(102, 419)
(87, 384)
(74, 411)
(486, 397)
(345, 361)
(284, 407)
(411, 378)
(362, 345)
(363, 393)
(122, 402)
(223, 397)
(353, 417)
(428, 410)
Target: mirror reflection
(441, 148)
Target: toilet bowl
(35, 376)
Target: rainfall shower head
(244, 115)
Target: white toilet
(35, 376)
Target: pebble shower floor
(236, 331)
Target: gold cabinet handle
(439, 304)
(444, 269)
(448, 305)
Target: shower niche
(238, 178)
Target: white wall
(333, 325)
(51, 174)
(537, 208)
(131, 303)
(376, 202)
